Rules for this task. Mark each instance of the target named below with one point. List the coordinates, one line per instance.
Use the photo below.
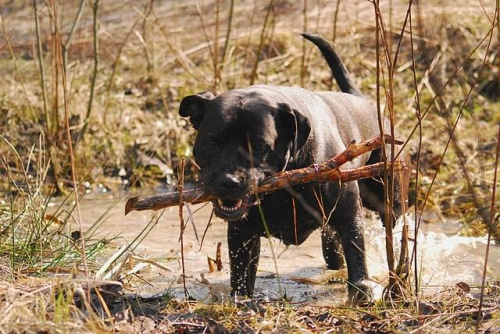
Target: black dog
(245, 135)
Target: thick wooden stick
(160, 201)
(325, 172)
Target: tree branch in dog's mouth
(325, 172)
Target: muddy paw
(363, 292)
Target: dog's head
(242, 138)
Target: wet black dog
(245, 135)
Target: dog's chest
(289, 218)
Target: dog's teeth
(234, 208)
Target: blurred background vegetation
(96, 84)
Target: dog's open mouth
(230, 210)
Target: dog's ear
(296, 124)
(193, 106)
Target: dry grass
(33, 305)
(150, 54)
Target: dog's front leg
(244, 252)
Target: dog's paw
(363, 292)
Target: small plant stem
(58, 57)
(491, 227)
(404, 262)
(95, 10)
(19, 76)
(270, 10)
(113, 74)
(205, 33)
(51, 118)
(303, 58)
(497, 9)
(216, 45)
(149, 57)
(41, 69)
(182, 227)
(419, 150)
(391, 22)
(228, 34)
(76, 21)
(388, 217)
(335, 20)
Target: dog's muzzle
(234, 192)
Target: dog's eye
(209, 142)
(259, 147)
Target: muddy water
(295, 272)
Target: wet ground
(295, 272)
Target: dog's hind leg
(348, 222)
(244, 252)
(372, 192)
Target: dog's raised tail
(339, 71)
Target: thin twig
(269, 12)
(95, 10)
(67, 44)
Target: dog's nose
(230, 182)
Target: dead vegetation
(89, 93)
